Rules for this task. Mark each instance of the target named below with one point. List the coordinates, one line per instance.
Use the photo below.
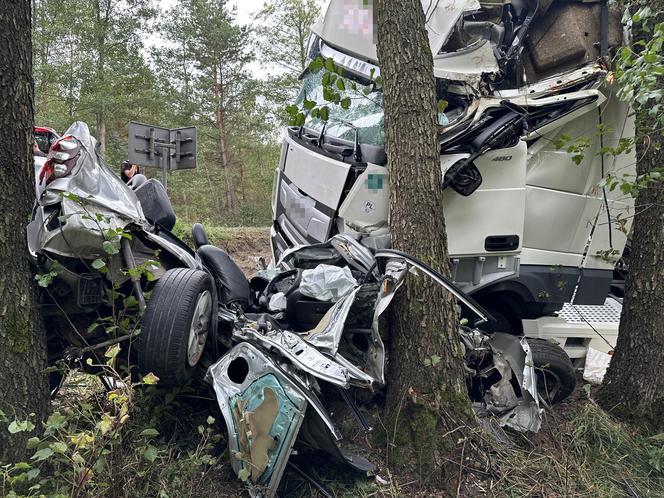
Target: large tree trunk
(423, 401)
(23, 383)
(633, 387)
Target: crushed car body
(274, 384)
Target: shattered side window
(364, 114)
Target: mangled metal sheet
(90, 199)
(263, 411)
(525, 414)
(265, 383)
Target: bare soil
(246, 245)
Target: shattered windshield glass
(365, 112)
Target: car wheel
(175, 326)
(556, 378)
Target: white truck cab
(531, 113)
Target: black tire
(556, 377)
(162, 346)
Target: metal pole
(164, 166)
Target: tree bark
(425, 399)
(633, 387)
(23, 382)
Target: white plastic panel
(495, 208)
(554, 168)
(620, 123)
(558, 221)
(598, 257)
(541, 257)
(318, 176)
(366, 207)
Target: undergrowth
(588, 454)
(130, 441)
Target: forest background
(229, 70)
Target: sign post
(156, 147)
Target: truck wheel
(175, 325)
(556, 378)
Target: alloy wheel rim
(198, 330)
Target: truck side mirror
(463, 176)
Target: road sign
(156, 147)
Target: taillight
(60, 160)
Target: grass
(588, 454)
(581, 452)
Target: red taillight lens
(60, 160)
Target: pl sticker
(369, 207)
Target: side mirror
(463, 176)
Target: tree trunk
(423, 402)
(101, 132)
(231, 193)
(633, 387)
(23, 383)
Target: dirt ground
(246, 245)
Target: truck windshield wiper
(357, 151)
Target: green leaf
(111, 246)
(150, 379)
(329, 64)
(71, 197)
(32, 443)
(150, 453)
(149, 432)
(56, 421)
(42, 454)
(345, 103)
(32, 473)
(210, 420)
(442, 105)
(316, 64)
(58, 447)
(20, 426)
(309, 104)
(244, 475)
(325, 113)
(98, 263)
(112, 352)
(435, 360)
(341, 85)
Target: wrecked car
(313, 332)
(531, 108)
(99, 247)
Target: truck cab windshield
(365, 113)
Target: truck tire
(175, 325)
(556, 377)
